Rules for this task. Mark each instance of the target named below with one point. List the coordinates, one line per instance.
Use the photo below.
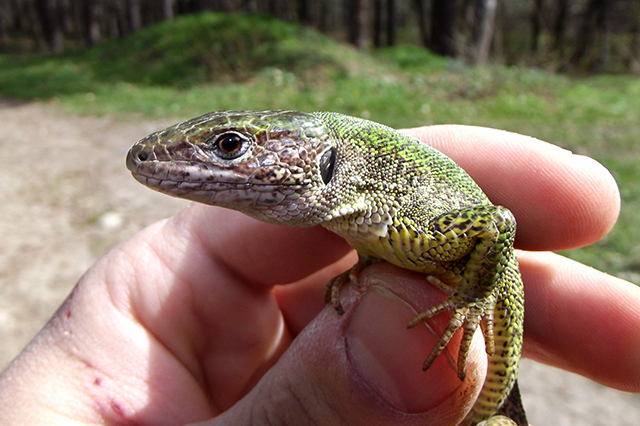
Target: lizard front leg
(489, 294)
(471, 252)
(491, 230)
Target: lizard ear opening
(327, 164)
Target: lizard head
(272, 165)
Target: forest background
(588, 35)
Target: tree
(536, 24)
(191, 6)
(50, 24)
(443, 20)
(3, 25)
(167, 9)
(377, 23)
(560, 25)
(91, 28)
(356, 21)
(634, 58)
(421, 9)
(304, 12)
(384, 22)
(134, 15)
(483, 29)
(594, 22)
(391, 22)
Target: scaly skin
(391, 197)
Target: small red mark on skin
(97, 381)
(121, 418)
(116, 408)
(68, 314)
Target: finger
(364, 367)
(200, 277)
(160, 319)
(260, 253)
(95, 363)
(560, 200)
(581, 320)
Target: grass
(206, 62)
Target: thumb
(365, 367)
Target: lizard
(391, 197)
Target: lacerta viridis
(391, 197)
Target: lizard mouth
(203, 182)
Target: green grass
(207, 62)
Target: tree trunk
(3, 27)
(167, 10)
(443, 18)
(91, 27)
(357, 23)
(593, 16)
(484, 25)
(604, 27)
(326, 17)
(278, 9)
(115, 18)
(6, 14)
(250, 6)
(50, 23)
(536, 24)
(634, 57)
(391, 22)
(195, 6)
(135, 18)
(377, 23)
(422, 21)
(66, 16)
(560, 26)
(304, 12)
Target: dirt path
(59, 213)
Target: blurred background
(82, 80)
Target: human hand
(182, 322)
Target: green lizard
(391, 197)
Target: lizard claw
(466, 315)
(332, 290)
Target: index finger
(561, 200)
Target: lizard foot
(466, 314)
(332, 290)
(498, 421)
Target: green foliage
(411, 57)
(206, 62)
(209, 47)
(191, 50)
(26, 77)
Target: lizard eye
(229, 145)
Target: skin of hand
(213, 317)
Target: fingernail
(389, 357)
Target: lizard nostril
(143, 156)
(135, 156)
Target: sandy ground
(66, 198)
